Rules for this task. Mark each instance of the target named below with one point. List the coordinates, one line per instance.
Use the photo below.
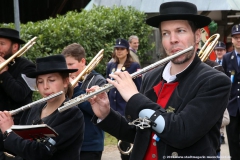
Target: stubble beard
(188, 56)
(8, 54)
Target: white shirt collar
(166, 73)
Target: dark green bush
(95, 30)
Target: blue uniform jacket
(230, 66)
(93, 136)
(116, 101)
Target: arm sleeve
(84, 106)
(70, 127)
(26, 148)
(188, 123)
(116, 125)
(226, 119)
(16, 88)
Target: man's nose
(173, 38)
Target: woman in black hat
(183, 100)
(52, 76)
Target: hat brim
(120, 46)
(219, 48)
(20, 41)
(235, 33)
(200, 21)
(37, 73)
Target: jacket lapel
(150, 93)
(234, 61)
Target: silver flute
(16, 111)
(84, 97)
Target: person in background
(220, 51)
(93, 143)
(225, 120)
(11, 82)
(133, 47)
(231, 66)
(122, 62)
(229, 46)
(183, 101)
(52, 76)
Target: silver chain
(141, 123)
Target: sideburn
(9, 53)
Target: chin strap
(150, 118)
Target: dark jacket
(230, 65)
(192, 129)
(93, 135)
(69, 125)
(116, 101)
(14, 92)
(214, 65)
(92, 79)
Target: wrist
(6, 133)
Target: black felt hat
(11, 34)
(50, 64)
(178, 11)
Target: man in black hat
(184, 100)
(14, 92)
(231, 65)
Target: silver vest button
(174, 154)
(154, 143)
(154, 156)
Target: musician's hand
(6, 121)
(5, 68)
(100, 103)
(124, 84)
(71, 78)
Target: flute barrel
(23, 108)
(107, 87)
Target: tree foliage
(95, 30)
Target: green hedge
(95, 30)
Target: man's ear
(15, 47)
(198, 36)
(83, 60)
